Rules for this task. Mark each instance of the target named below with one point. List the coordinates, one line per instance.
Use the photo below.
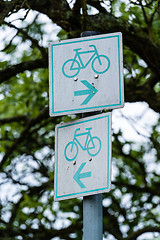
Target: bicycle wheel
(71, 151)
(100, 64)
(71, 68)
(94, 146)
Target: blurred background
(131, 209)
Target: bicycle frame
(86, 142)
(77, 55)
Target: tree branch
(134, 93)
(26, 36)
(41, 232)
(55, 10)
(13, 119)
(137, 40)
(25, 131)
(11, 71)
(7, 7)
(136, 188)
(97, 5)
(112, 225)
(136, 234)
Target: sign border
(109, 153)
(120, 104)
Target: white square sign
(86, 74)
(83, 157)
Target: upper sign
(86, 74)
(82, 157)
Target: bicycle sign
(100, 63)
(86, 74)
(92, 145)
(82, 157)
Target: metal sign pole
(92, 205)
(92, 217)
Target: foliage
(27, 209)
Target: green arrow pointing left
(78, 175)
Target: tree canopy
(27, 209)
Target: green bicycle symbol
(100, 63)
(92, 145)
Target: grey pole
(92, 217)
(92, 205)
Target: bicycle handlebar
(93, 46)
(77, 129)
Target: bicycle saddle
(89, 128)
(77, 49)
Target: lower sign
(83, 157)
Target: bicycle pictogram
(100, 63)
(92, 145)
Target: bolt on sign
(83, 157)
(86, 74)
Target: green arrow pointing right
(91, 91)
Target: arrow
(78, 175)
(91, 91)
